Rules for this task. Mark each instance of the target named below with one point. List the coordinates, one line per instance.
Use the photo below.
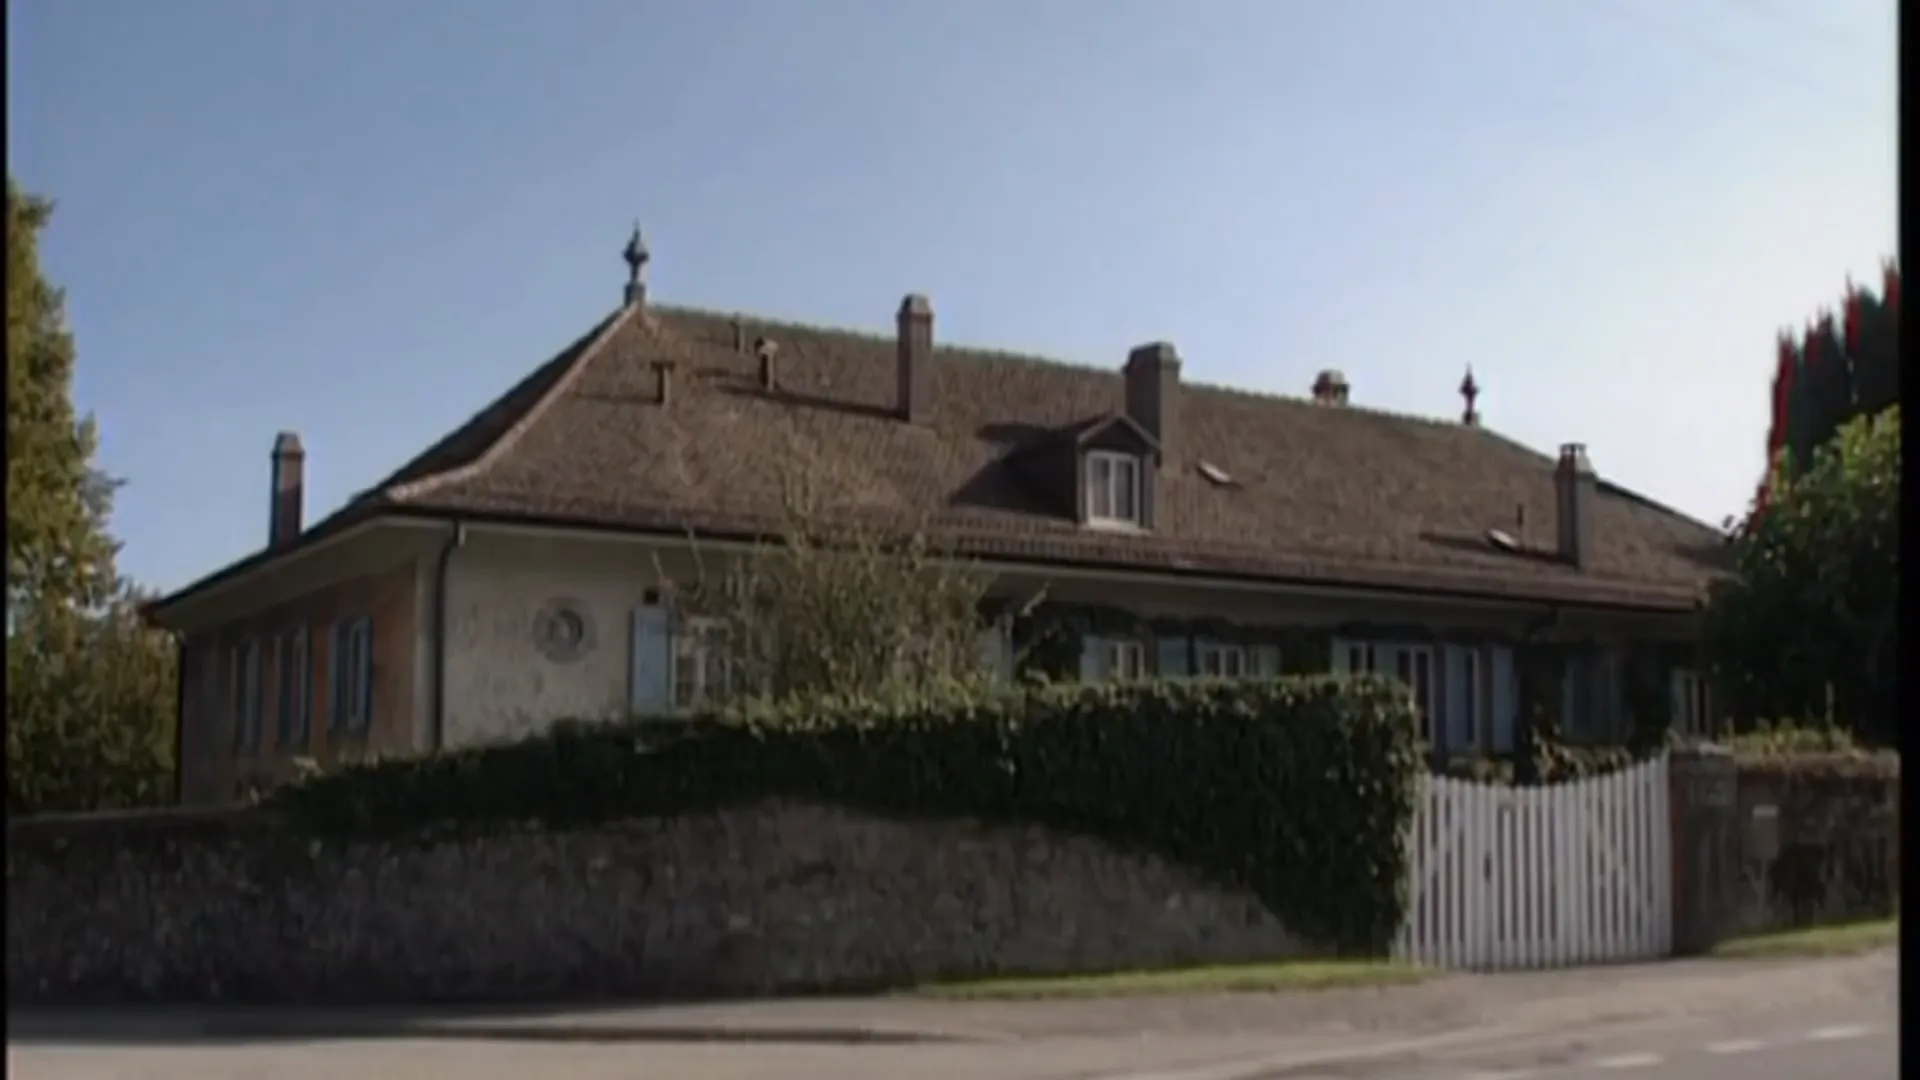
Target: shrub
(1298, 789)
(1543, 761)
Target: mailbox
(1763, 833)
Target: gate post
(1702, 808)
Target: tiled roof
(1334, 494)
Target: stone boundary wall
(775, 897)
(1814, 842)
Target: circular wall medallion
(563, 631)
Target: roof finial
(1470, 391)
(636, 256)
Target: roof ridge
(987, 352)
(529, 415)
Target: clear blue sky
(362, 220)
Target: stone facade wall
(774, 897)
(1827, 851)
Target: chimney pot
(913, 358)
(663, 381)
(289, 489)
(1152, 391)
(1576, 489)
(1330, 388)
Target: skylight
(1215, 473)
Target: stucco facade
(497, 674)
(234, 737)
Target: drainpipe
(179, 719)
(437, 648)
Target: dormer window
(1113, 488)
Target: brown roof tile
(1340, 494)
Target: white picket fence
(1573, 873)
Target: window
(1413, 665)
(1121, 658)
(352, 686)
(701, 668)
(246, 697)
(1222, 661)
(1353, 657)
(295, 704)
(1692, 704)
(1113, 488)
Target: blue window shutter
(1090, 656)
(650, 668)
(363, 667)
(996, 653)
(302, 688)
(1506, 699)
(1174, 659)
(1341, 661)
(1266, 660)
(1454, 732)
(339, 683)
(283, 683)
(237, 699)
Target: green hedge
(1543, 761)
(1299, 789)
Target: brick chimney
(289, 490)
(1153, 388)
(1575, 489)
(767, 351)
(914, 358)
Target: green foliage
(1544, 761)
(90, 692)
(57, 505)
(830, 609)
(1808, 627)
(1299, 789)
(1770, 739)
(90, 711)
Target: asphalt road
(1856, 1043)
(1831, 1020)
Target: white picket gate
(1573, 873)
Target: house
(511, 573)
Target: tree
(90, 691)
(1832, 373)
(1808, 627)
(58, 550)
(90, 711)
(836, 606)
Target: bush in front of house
(1543, 761)
(1300, 789)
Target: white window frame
(1695, 698)
(1424, 701)
(1112, 478)
(1122, 659)
(700, 679)
(1355, 657)
(1221, 660)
